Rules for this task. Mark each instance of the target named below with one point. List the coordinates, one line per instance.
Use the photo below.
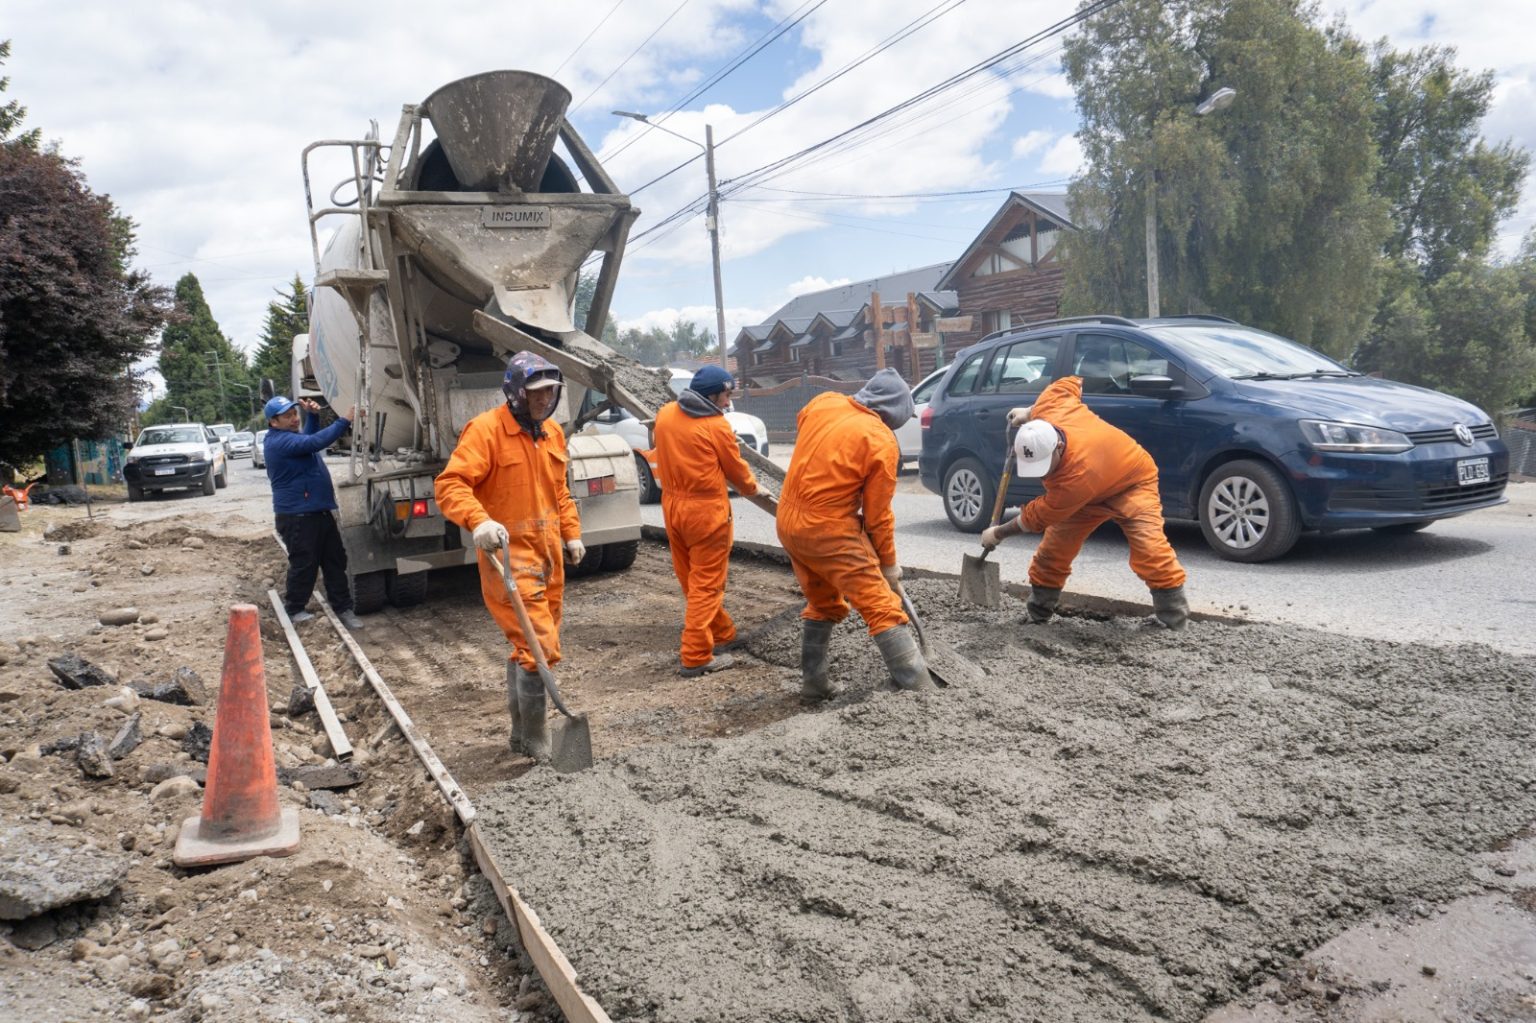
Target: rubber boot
(815, 644)
(1170, 608)
(515, 740)
(903, 659)
(531, 709)
(1041, 604)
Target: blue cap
(276, 406)
(711, 380)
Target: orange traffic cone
(240, 817)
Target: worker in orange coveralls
(506, 484)
(696, 455)
(835, 522)
(1092, 472)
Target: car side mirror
(1156, 387)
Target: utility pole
(219, 371)
(711, 221)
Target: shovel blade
(572, 747)
(980, 581)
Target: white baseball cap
(1033, 447)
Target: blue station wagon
(1256, 437)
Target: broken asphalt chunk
(75, 672)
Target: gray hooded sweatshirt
(698, 406)
(888, 396)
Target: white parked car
(910, 436)
(172, 456)
(239, 444)
(749, 429)
(258, 451)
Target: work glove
(991, 537)
(490, 535)
(575, 550)
(892, 575)
(1017, 417)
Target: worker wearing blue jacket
(304, 503)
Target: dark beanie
(710, 381)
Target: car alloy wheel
(1247, 512)
(968, 495)
(1239, 512)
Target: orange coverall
(1103, 474)
(845, 460)
(695, 456)
(499, 472)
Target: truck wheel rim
(1238, 512)
(965, 494)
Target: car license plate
(165, 472)
(1470, 471)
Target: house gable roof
(1050, 205)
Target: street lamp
(186, 416)
(712, 220)
(1216, 101)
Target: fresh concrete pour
(1117, 824)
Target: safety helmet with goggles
(529, 372)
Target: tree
(1448, 189)
(286, 318)
(73, 317)
(658, 347)
(199, 363)
(1265, 212)
(12, 113)
(586, 287)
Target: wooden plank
(341, 746)
(559, 976)
(951, 323)
(445, 782)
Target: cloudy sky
(192, 117)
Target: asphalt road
(1462, 580)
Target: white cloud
(736, 317)
(1030, 142)
(806, 285)
(1064, 159)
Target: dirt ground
(1243, 823)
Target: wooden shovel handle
(547, 676)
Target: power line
(626, 60)
(786, 23)
(588, 39)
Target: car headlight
(1326, 436)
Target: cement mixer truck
(451, 247)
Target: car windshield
(243, 437)
(1242, 353)
(679, 385)
(171, 435)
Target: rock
(321, 745)
(75, 672)
(197, 741)
(301, 701)
(119, 616)
(83, 948)
(194, 542)
(39, 932)
(184, 688)
(415, 829)
(127, 738)
(146, 569)
(165, 900)
(135, 545)
(64, 548)
(173, 788)
(126, 700)
(326, 803)
(155, 986)
(370, 951)
(159, 632)
(92, 757)
(63, 744)
(173, 730)
(337, 776)
(148, 618)
(157, 773)
(391, 958)
(38, 874)
(160, 949)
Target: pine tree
(200, 365)
(286, 318)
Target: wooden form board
(445, 782)
(341, 746)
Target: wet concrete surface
(1117, 823)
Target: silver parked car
(239, 444)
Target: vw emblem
(1462, 433)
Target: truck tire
(1247, 512)
(619, 556)
(650, 490)
(590, 564)
(407, 589)
(222, 479)
(135, 492)
(208, 484)
(370, 591)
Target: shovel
(945, 663)
(571, 745)
(980, 582)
